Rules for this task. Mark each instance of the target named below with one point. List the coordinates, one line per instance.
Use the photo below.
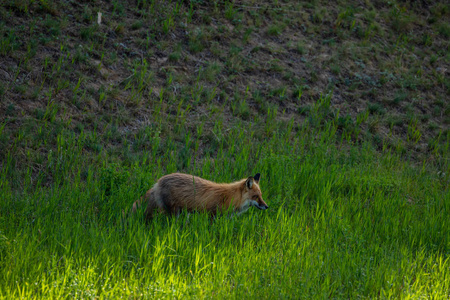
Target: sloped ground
(383, 64)
(341, 107)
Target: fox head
(251, 194)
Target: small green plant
(21, 88)
(243, 110)
(401, 21)
(318, 16)
(400, 97)
(230, 11)
(247, 35)
(304, 110)
(414, 133)
(211, 72)
(137, 25)
(119, 29)
(278, 92)
(274, 30)
(9, 43)
(10, 109)
(175, 56)
(444, 29)
(345, 122)
(433, 59)
(275, 65)
(301, 48)
(168, 24)
(427, 40)
(395, 120)
(215, 49)
(196, 43)
(335, 68)
(298, 92)
(376, 108)
(53, 26)
(87, 33)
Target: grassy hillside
(62, 70)
(343, 109)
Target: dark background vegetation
(384, 65)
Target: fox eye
(255, 197)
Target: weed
(10, 109)
(395, 120)
(301, 48)
(9, 43)
(119, 29)
(433, 126)
(400, 97)
(274, 30)
(433, 59)
(401, 21)
(247, 35)
(304, 110)
(376, 108)
(211, 72)
(345, 122)
(275, 66)
(444, 29)
(230, 11)
(53, 26)
(87, 33)
(175, 56)
(21, 88)
(196, 43)
(335, 68)
(137, 25)
(215, 49)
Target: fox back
(175, 192)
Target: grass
(341, 224)
(341, 108)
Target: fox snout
(262, 206)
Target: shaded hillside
(384, 66)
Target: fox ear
(256, 177)
(249, 182)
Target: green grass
(343, 222)
(341, 108)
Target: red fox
(175, 192)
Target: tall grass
(344, 221)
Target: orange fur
(175, 192)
